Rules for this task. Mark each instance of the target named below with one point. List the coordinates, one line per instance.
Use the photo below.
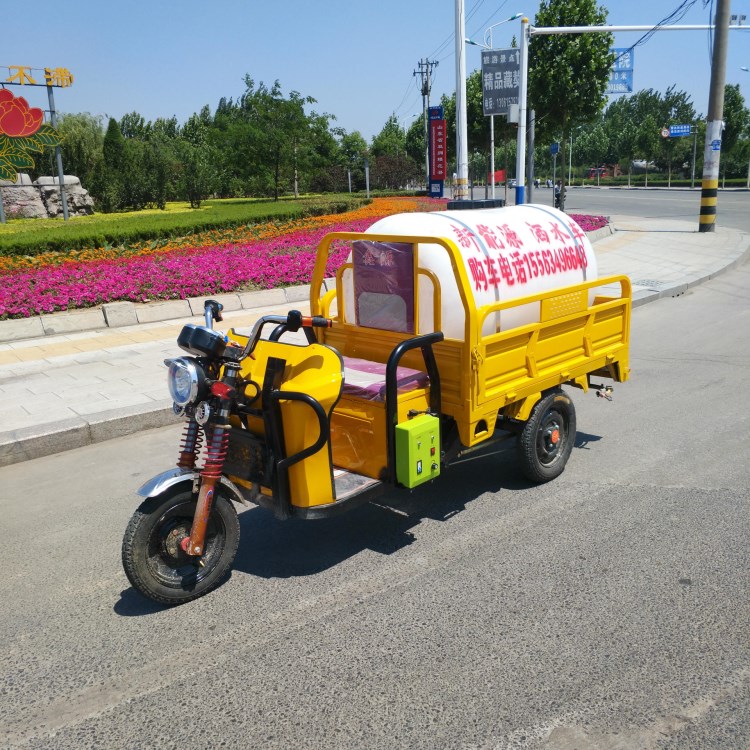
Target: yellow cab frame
(330, 447)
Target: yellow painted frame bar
(456, 259)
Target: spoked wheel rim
(551, 437)
(167, 562)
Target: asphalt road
(733, 206)
(608, 609)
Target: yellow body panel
(482, 377)
(316, 370)
(358, 438)
(502, 373)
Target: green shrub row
(28, 237)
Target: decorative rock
(69, 180)
(23, 199)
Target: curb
(35, 442)
(121, 314)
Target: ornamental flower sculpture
(22, 133)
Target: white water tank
(507, 253)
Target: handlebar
(212, 312)
(293, 321)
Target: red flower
(17, 119)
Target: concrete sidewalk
(65, 390)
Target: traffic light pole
(717, 90)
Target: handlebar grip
(215, 307)
(317, 321)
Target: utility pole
(425, 69)
(714, 125)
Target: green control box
(418, 450)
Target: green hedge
(34, 236)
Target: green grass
(33, 236)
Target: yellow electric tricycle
(416, 355)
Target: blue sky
(355, 58)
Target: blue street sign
(554, 148)
(621, 72)
(716, 145)
(677, 131)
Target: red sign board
(438, 150)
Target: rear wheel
(153, 559)
(546, 440)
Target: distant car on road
(511, 183)
(597, 172)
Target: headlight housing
(186, 380)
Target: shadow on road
(584, 438)
(284, 549)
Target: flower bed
(253, 257)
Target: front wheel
(546, 440)
(153, 558)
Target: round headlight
(186, 380)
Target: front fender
(179, 475)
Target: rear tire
(547, 438)
(153, 559)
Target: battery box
(418, 450)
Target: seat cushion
(366, 379)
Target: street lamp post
(460, 189)
(747, 185)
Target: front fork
(216, 453)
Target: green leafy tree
(352, 153)
(568, 73)
(197, 175)
(82, 150)
(108, 178)
(390, 141)
(592, 145)
(735, 140)
(278, 126)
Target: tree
(568, 73)
(83, 137)
(352, 153)
(197, 172)
(390, 141)
(278, 126)
(593, 145)
(735, 140)
(107, 184)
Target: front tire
(153, 559)
(547, 438)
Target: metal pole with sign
(500, 90)
(554, 149)
(522, 85)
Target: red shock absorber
(216, 452)
(190, 448)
